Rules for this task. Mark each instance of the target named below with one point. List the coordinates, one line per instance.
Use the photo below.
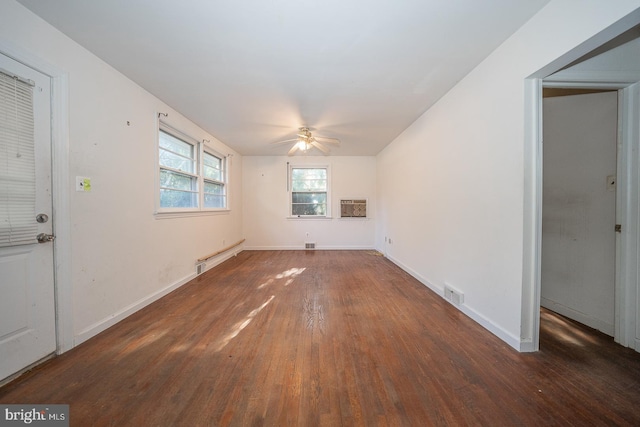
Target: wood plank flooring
(329, 338)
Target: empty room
(319, 212)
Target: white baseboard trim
(496, 330)
(583, 318)
(301, 248)
(127, 311)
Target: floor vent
(310, 245)
(453, 296)
(200, 268)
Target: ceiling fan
(306, 141)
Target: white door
(27, 307)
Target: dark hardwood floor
(295, 338)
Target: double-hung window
(309, 191)
(214, 185)
(192, 176)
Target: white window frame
(290, 191)
(199, 149)
(223, 181)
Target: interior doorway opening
(578, 262)
(614, 65)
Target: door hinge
(618, 228)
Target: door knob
(44, 237)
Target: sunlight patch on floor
(238, 327)
(290, 275)
(566, 331)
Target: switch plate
(83, 184)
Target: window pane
(212, 167)
(211, 173)
(177, 181)
(176, 145)
(213, 188)
(309, 209)
(309, 185)
(310, 198)
(320, 173)
(214, 201)
(175, 161)
(178, 199)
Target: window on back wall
(309, 191)
(192, 176)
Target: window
(213, 174)
(17, 162)
(192, 177)
(309, 191)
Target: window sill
(347, 218)
(311, 218)
(187, 214)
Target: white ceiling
(250, 72)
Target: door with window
(27, 300)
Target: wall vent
(310, 245)
(453, 296)
(200, 268)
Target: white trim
(127, 311)
(532, 221)
(187, 214)
(474, 315)
(61, 218)
(628, 214)
(311, 218)
(60, 188)
(301, 248)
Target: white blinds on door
(17, 162)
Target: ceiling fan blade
(320, 147)
(285, 141)
(327, 140)
(293, 150)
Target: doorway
(578, 261)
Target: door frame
(627, 209)
(63, 289)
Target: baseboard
(127, 311)
(301, 248)
(496, 330)
(585, 319)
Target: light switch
(83, 183)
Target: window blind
(17, 162)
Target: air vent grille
(353, 208)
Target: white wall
(265, 204)
(122, 256)
(451, 187)
(579, 208)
